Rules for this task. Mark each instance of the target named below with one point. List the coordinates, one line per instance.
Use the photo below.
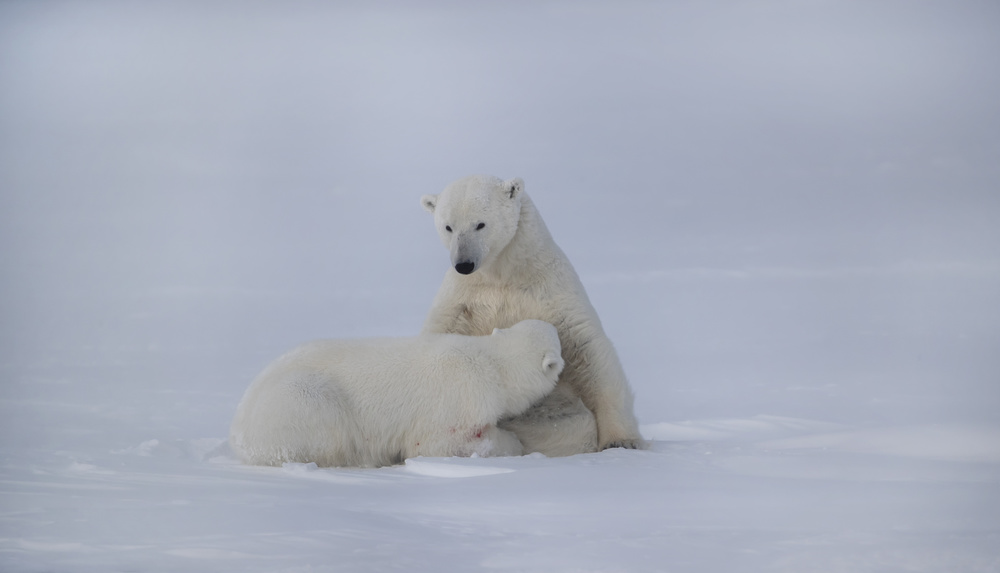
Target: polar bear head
(476, 217)
(534, 346)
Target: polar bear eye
(447, 228)
(480, 226)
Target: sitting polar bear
(375, 402)
(507, 268)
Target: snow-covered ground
(727, 495)
(786, 214)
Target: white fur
(506, 268)
(375, 402)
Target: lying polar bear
(375, 402)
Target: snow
(434, 469)
(687, 505)
(785, 214)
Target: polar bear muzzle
(468, 251)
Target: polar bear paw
(628, 444)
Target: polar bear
(377, 401)
(505, 268)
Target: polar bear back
(373, 402)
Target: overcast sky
(155, 149)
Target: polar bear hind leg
(559, 425)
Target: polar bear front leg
(450, 318)
(602, 385)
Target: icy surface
(785, 213)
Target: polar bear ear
(513, 187)
(429, 202)
(552, 363)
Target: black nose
(465, 268)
